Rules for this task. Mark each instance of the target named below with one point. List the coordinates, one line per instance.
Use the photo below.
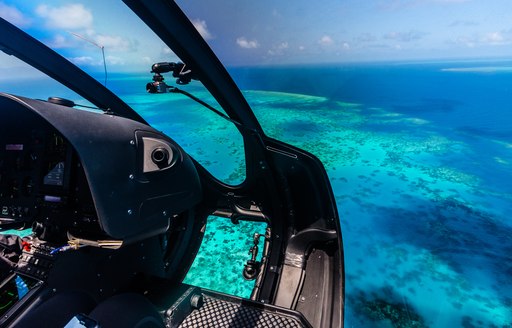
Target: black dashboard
(42, 183)
(94, 176)
(104, 196)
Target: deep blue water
(420, 160)
(470, 101)
(477, 102)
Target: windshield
(119, 52)
(407, 104)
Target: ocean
(419, 156)
(420, 160)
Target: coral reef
(386, 308)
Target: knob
(160, 156)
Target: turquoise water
(223, 254)
(21, 233)
(420, 160)
(426, 242)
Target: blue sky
(275, 32)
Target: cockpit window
(213, 141)
(21, 79)
(119, 52)
(407, 104)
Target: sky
(269, 32)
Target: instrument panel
(29, 164)
(42, 184)
(92, 175)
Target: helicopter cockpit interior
(68, 183)
(118, 209)
(107, 205)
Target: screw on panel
(130, 212)
(131, 176)
(132, 142)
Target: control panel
(43, 185)
(16, 290)
(36, 260)
(94, 176)
(21, 158)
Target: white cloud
(326, 40)
(115, 43)
(345, 46)
(168, 54)
(77, 18)
(91, 61)
(202, 28)
(13, 15)
(60, 41)
(109, 42)
(72, 16)
(113, 60)
(497, 38)
(278, 49)
(247, 44)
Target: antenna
(102, 52)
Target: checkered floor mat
(224, 314)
